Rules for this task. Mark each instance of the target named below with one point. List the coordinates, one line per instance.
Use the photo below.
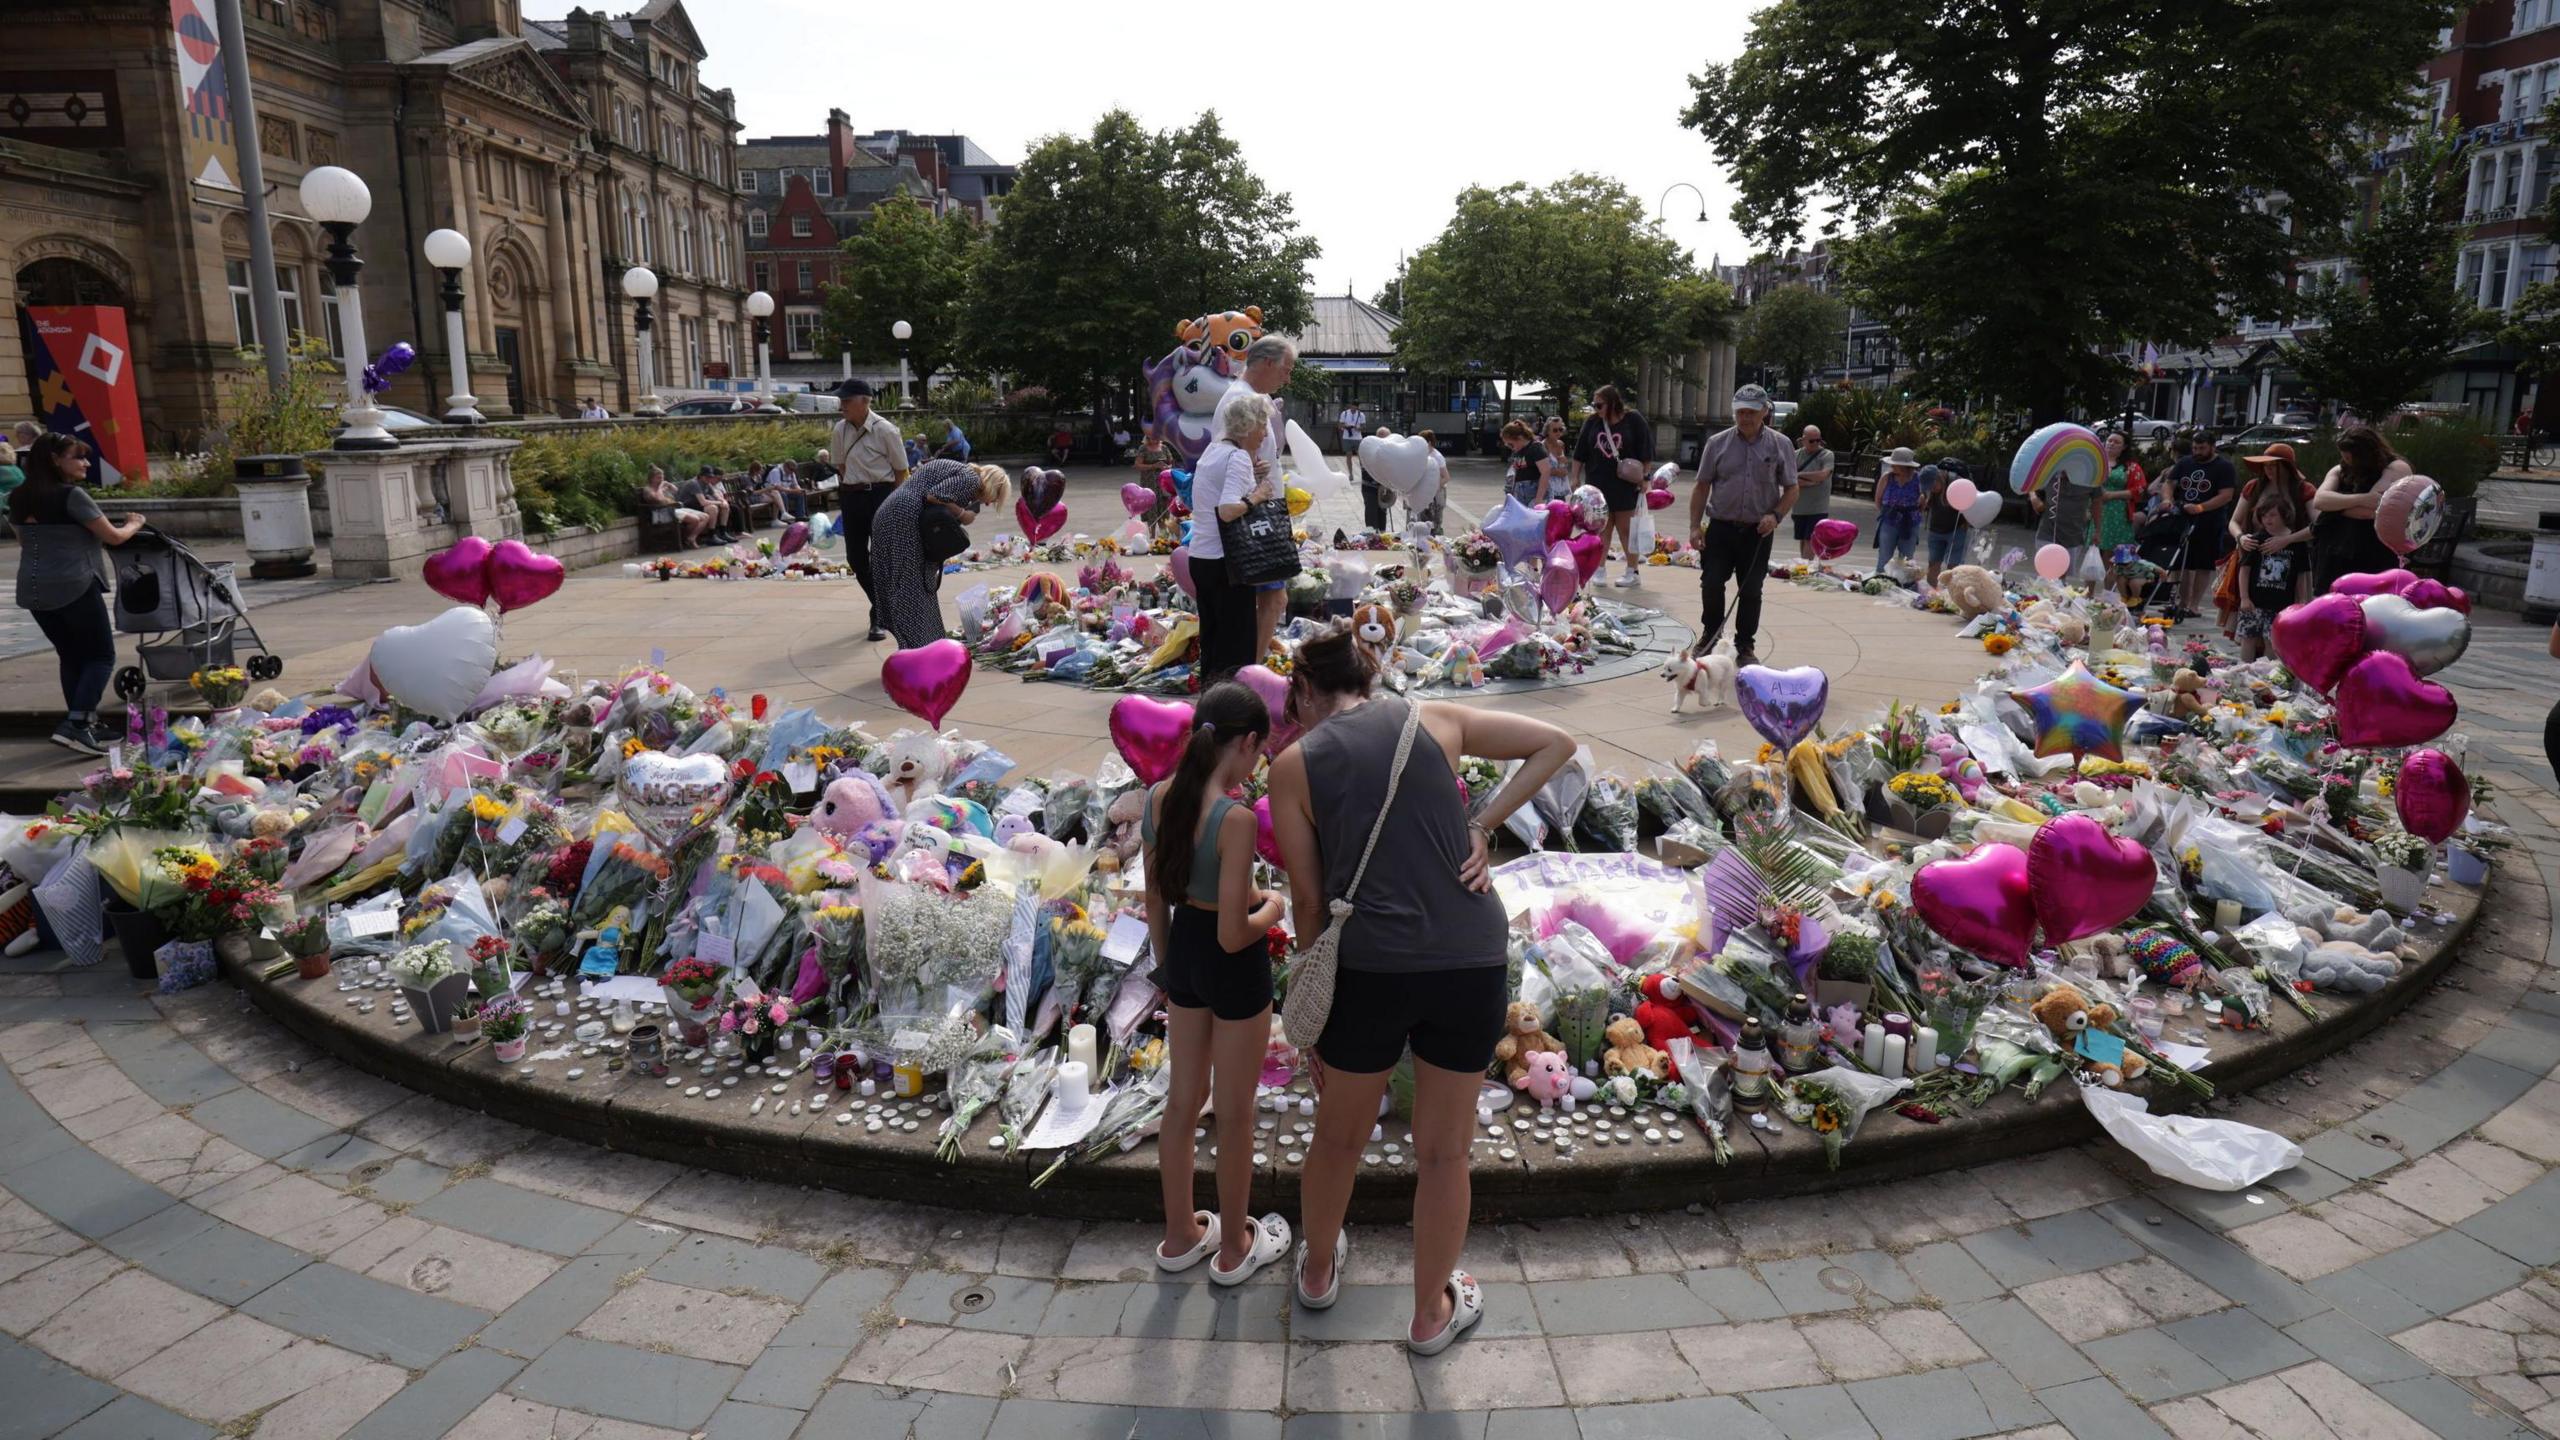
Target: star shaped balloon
(2079, 713)
(1519, 532)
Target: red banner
(80, 369)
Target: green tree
(1390, 296)
(2037, 180)
(903, 264)
(2391, 326)
(1112, 238)
(1792, 330)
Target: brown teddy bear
(1974, 590)
(1521, 1039)
(1629, 1055)
(2066, 1014)
(2189, 688)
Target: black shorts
(1621, 494)
(1805, 524)
(1451, 1018)
(2206, 540)
(1198, 975)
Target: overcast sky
(1373, 116)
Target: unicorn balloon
(1183, 388)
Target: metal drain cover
(972, 1300)
(368, 1172)
(1842, 1282)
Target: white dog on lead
(1709, 677)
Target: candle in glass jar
(2226, 915)
(1897, 1023)
(1080, 1047)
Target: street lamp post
(449, 251)
(902, 332)
(641, 283)
(1662, 206)
(760, 309)
(339, 201)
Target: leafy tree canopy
(903, 264)
(2391, 327)
(1793, 329)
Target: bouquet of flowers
(975, 1083)
(215, 899)
(917, 936)
(2401, 850)
(627, 875)
(761, 1019)
(1132, 1110)
(1831, 1103)
(692, 980)
(221, 687)
(1923, 792)
(420, 966)
(503, 1018)
(1475, 553)
(544, 928)
(1024, 1092)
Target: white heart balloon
(2429, 640)
(670, 797)
(438, 668)
(1400, 462)
(1984, 509)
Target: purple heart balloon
(1783, 705)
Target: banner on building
(80, 372)
(204, 96)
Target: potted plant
(1845, 975)
(306, 939)
(2400, 869)
(222, 688)
(2466, 861)
(1917, 804)
(758, 1024)
(694, 985)
(503, 1019)
(434, 988)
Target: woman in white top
(1223, 487)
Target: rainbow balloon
(2066, 448)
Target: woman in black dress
(1613, 435)
(2343, 541)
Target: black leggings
(2551, 742)
(84, 640)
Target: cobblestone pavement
(208, 1228)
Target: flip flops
(1270, 1242)
(1208, 1246)
(1462, 1316)
(1333, 1292)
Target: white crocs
(1208, 1246)
(1462, 1316)
(1270, 1242)
(1333, 1292)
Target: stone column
(466, 206)
(562, 288)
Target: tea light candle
(1924, 1050)
(1871, 1047)
(1080, 1047)
(1893, 1051)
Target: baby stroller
(2161, 543)
(190, 615)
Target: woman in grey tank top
(1422, 956)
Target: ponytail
(1226, 712)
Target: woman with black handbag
(919, 527)
(1241, 538)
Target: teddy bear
(1523, 1037)
(2110, 955)
(1628, 1054)
(2187, 690)
(2347, 967)
(856, 799)
(2375, 930)
(1664, 1014)
(1547, 1079)
(2066, 1014)
(913, 766)
(1974, 590)
(1125, 814)
(1229, 332)
(1374, 627)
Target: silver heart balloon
(671, 797)
(2429, 640)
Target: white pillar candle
(1871, 1047)
(1924, 1050)
(1080, 1047)
(1892, 1057)
(1074, 1084)
(2226, 915)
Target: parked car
(2258, 437)
(711, 405)
(2146, 430)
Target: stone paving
(207, 1228)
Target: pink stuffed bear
(855, 800)
(1549, 1080)
(1957, 764)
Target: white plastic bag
(2191, 1149)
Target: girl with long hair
(63, 580)
(1421, 960)
(2343, 541)
(1614, 434)
(1208, 924)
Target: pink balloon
(1832, 538)
(1039, 527)
(1561, 580)
(1164, 481)
(2053, 562)
(2434, 594)
(926, 681)
(2378, 582)
(2084, 880)
(1041, 488)
(1590, 554)
(1559, 520)
(2318, 639)
(458, 572)
(2432, 795)
(1151, 734)
(1179, 562)
(1137, 499)
(1982, 903)
(1273, 687)
(517, 576)
(794, 536)
(1657, 499)
(1265, 843)
(1961, 493)
(2382, 702)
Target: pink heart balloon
(1041, 489)
(1833, 537)
(1265, 843)
(1590, 554)
(2318, 639)
(1179, 562)
(2432, 795)
(455, 572)
(2084, 880)
(2432, 594)
(794, 536)
(1038, 527)
(2382, 702)
(1559, 520)
(1561, 580)
(518, 576)
(1273, 687)
(1137, 499)
(1982, 903)
(1657, 499)
(926, 681)
(2377, 582)
(1151, 734)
